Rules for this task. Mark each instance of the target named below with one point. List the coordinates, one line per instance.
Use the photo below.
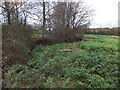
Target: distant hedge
(103, 31)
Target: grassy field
(85, 64)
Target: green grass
(37, 36)
(90, 64)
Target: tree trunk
(8, 12)
(44, 19)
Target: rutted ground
(89, 64)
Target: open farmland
(84, 64)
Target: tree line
(59, 19)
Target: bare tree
(16, 11)
(10, 11)
(43, 11)
(71, 16)
(6, 11)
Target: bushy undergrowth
(89, 64)
(16, 44)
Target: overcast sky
(106, 12)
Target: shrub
(16, 44)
